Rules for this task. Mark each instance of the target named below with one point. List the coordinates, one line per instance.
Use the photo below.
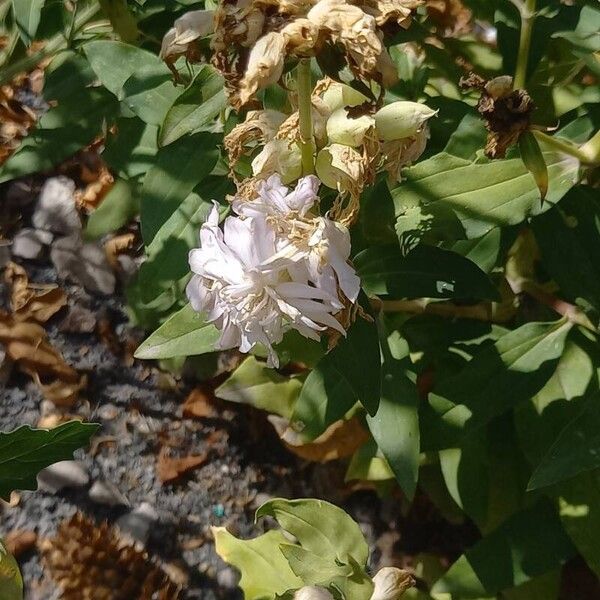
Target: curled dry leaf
(119, 244)
(199, 403)
(339, 440)
(32, 302)
(451, 17)
(171, 469)
(20, 541)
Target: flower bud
(340, 167)
(278, 156)
(391, 583)
(312, 592)
(338, 95)
(403, 119)
(343, 129)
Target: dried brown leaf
(171, 469)
(199, 403)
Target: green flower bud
(403, 119)
(340, 167)
(338, 95)
(343, 129)
(278, 156)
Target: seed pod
(403, 119)
(338, 95)
(340, 167)
(391, 583)
(533, 159)
(278, 156)
(312, 592)
(343, 129)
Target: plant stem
(305, 116)
(52, 47)
(588, 154)
(527, 20)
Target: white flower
(391, 583)
(244, 283)
(312, 592)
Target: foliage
(474, 351)
(11, 584)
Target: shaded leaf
(27, 14)
(26, 451)
(11, 583)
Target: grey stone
(64, 474)
(26, 244)
(5, 253)
(228, 579)
(105, 492)
(137, 523)
(56, 209)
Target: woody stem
(527, 19)
(305, 116)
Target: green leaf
(350, 373)
(311, 567)
(320, 527)
(576, 450)
(26, 451)
(196, 107)
(395, 426)
(265, 571)
(544, 587)
(121, 19)
(569, 239)
(579, 507)
(368, 464)
(27, 14)
(585, 36)
(256, 384)
(118, 207)
(467, 199)
(503, 374)
(186, 333)
(482, 251)
(179, 167)
(531, 543)
(426, 271)
(11, 583)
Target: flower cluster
(274, 267)
(253, 38)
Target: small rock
(56, 209)
(104, 492)
(26, 244)
(64, 474)
(5, 253)
(228, 578)
(138, 522)
(84, 263)
(44, 236)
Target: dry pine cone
(89, 562)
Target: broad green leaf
(196, 107)
(11, 583)
(544, 587)
(262, 387)
(395, 426)
(131, 149)
(569, 239)
(576, 450)
(27, 14)
(117, 208)
(121, 19)
(468, 138)
(531, 543)
(585, 35)
(319, 527)
(482, 251)
(348, 374)
(500, 376)
(115, 62)
(368, 464)
(179, 168)
(186, 333)
(579, 507)
(26, 451)
(265, 571)
(312, 568)
(467, 199)
(426, 271)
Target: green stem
(52, 47)
(527, 21)
(588, 154)
(305, 116)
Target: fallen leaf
(339, 440)
(119, 244)
(32, 302)
(171, 469)
(20, 541)
(55, 419)
(199, 403)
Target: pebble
(64, 474)
(5, 253)
(105, 492)
(228, 578)
(138, 522)
(26, 244)
(56, 209)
